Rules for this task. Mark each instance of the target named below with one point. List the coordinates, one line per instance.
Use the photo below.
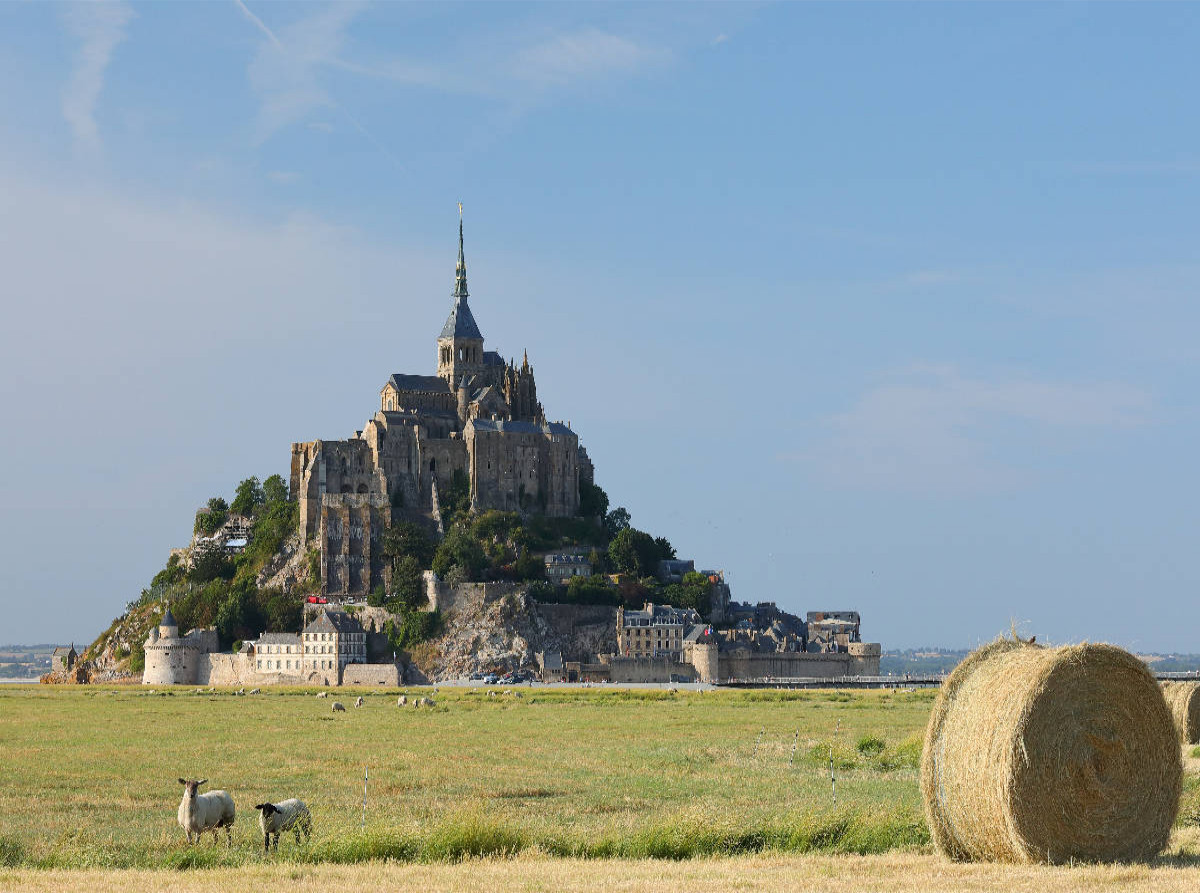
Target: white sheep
(256, 691)
(401, 701)
(358, 702)
(322, 694)
(339, 707)
(205, 812)
(288, 815)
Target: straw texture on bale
(1050, 755)
(1184, 700)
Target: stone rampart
(790, 665)
(649, 669)
(387, 675)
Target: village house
(654, 631)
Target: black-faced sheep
(288, 815)
(339, 707)
(358, 702)
(205, 812)
(402, 701)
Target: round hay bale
(1184, 700)
(1050, 755)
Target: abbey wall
(478, 418)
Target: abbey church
(478, 416)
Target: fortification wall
(749, 665)
(225, 669)
(647, 669)
(387, 675)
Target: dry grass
(896, 873)
(1051, 755)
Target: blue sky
(888, 307)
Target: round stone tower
(706, 660)
(170, 658)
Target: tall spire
(460, 272)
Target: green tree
(455, 497)
(530, 567)
(209, 522)
(237, 616)
(281, 612)
(496, 525)
(634, 551)
(137, 658)
(595, 590)
(275, 489)
(404, 538)
(664, 550)
(617, 520)
(248, 497)
(593, 501)
(623, 553)
(172, 573)
(376, 598)
(408, 583)
(414, 627)
(459, 549)
(211, 563)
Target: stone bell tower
(460, 346)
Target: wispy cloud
(582, 55)
(98, 27)
(935, 430)
(284, 72)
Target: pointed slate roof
(168, 619)
(460, 323)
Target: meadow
(90, 774)
(551, 779)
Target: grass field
(90, 775)
(89, 783)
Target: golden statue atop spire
(460, 210)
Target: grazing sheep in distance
(401, 701)
(339, 707)
(358, 702)
(322, 694)
(288, 815)
(255, 691)
(205, 812)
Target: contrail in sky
(358, 125)
(259, 23)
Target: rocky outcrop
(486, 634)
(287, 568)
